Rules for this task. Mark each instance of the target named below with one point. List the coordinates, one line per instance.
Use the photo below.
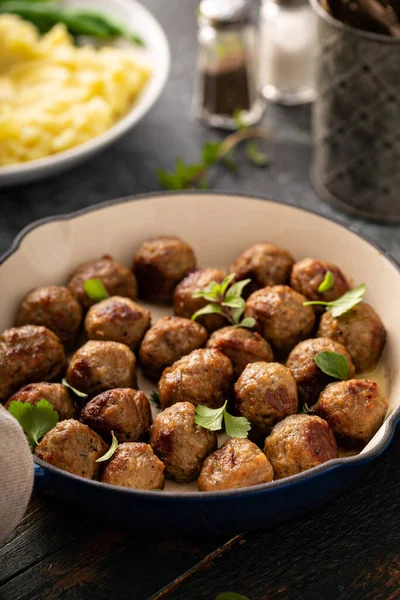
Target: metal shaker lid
(221, 13)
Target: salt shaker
(227, 65)
(287, 46)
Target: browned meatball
(55, 393)
(242, 346)
(265, 393)
(28, 354)
(167, 341)
(309, 378)
(264, 264)
(204, 376)
(308, 274)
(299, 443)
(117, 319)
(238, 463)
(124, 411)
(117, 279)
(180, 443)
(159, 265)
(184, 303)
(73, 447)
(354, 409)
(56, 308)
(134, 465)
(281, 317)
(101, 366)
(360, 330)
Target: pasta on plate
(54, 95)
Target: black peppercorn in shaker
(227, 65)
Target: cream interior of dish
(55, 95)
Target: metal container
(357, 120)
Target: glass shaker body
(287, 44)
(227, 78)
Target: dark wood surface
(347, 550)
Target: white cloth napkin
(16, 474)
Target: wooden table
(348, 549)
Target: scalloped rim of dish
(137, 111)
(389, 424)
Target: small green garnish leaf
(74, 390)
(333, 364)
(110, 451)
(238, 119)
(236, 289)
(207, 310)
(225, 284)
(308, 410)
(210, 152)
(327, 283)
(255, 156)
(155, 398)
(95, 289)
(211, 418)
(248, 323)
(342, 305)
(35, 420)
(231, 596)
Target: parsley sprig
(211, 418)
(35, 420)
(333, 364)
(342, 305)
(226, 300)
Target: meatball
(299, 443)
(309, 378)
(354, 409)
(180, 443)
(360, 330)
(204, 376)
(117, 319)
(124, 411)
(238, 463)
(308, 274)
(280, 315)
(55, 393)
(73, 447)
(28, 354)
(184, 303)
(56, 308)
(265, 393)
(167, 341)
(134, 465)
(242, 346)
(264, 264)
(117, 279)
(159, 265)
(101, 366)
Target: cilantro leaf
(209, 418)
(255, 156)
(231, 596)
(207, 310)
(110, 451)
(236, 427)
(74, 390)
(35, 420)
(327, 283)
(95, 289)
(342, 305)
(333, 364)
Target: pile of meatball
(267, 374)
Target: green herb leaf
(327, 283)
(236, 289)
(74, 390)
(238, 118)
(308, 410)
(236, 427)
(207, 310)
(225, 284)
(235, 303)
(248, 322)
(255, 156)
(342, 305)
(209, 418)
(231, 596)
(333, 364)
(155, 398)
(110, 451)
(95, 289)
(210, 152)
(36, 421)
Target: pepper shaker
(227, 65)
(287, 46)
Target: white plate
(138, 19)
